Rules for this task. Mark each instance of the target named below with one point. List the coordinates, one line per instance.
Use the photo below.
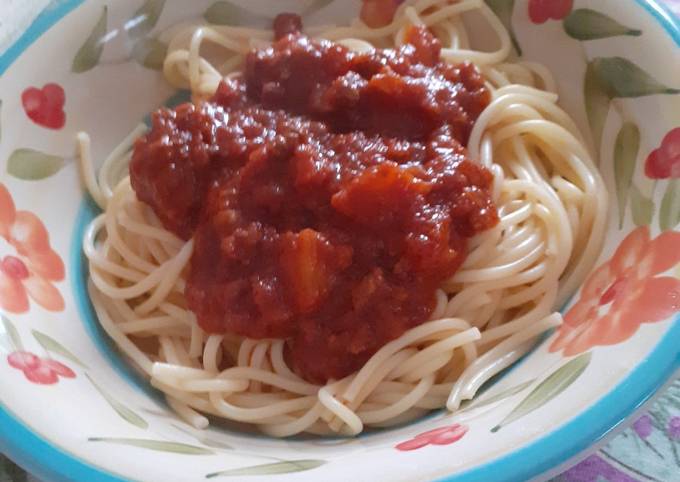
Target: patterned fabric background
(649, 450)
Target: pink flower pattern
(623, 293)
(439, 436)
(42, 371)
(32, 266)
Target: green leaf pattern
(220, 13)
(150, 52)
(625, 154)
(226, 13)
(669, 212)
(642, 207)
(145, 18)
(155, 445)
(90, 52)
(317, 5)
(587, 24)
(621, 78)
(53, 346)
(32, 165)
(553, 385)
(502, 395)
(124, 412)
(283, 467)
(12, 333)
(608, 78)
(597, 104)
(205, 440)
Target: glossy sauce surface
(328, 193)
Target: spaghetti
(552, 206)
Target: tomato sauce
(328, 193)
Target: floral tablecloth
(648, 450)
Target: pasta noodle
(552, 205)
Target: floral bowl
(71, 408)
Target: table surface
(648, 450)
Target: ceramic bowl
(90, 418)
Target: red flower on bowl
(664, 162)
(43, 371)
(45, 106)
(28, 265)
(439, 436)
(540, 11)
(624, 293)
(378, 13)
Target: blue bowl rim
(51, 463)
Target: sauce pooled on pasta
(328, 193)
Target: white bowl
(99, 421)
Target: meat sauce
(328, 193)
